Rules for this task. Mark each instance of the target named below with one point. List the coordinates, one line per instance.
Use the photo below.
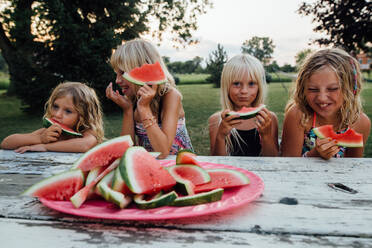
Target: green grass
(199, 100)
(192, 78)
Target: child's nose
(322, 95)
(58, 113)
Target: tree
(48, 41)
(301, 56)
(215, 64)
(347, 23)
(260, 47)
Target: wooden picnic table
(297, 208)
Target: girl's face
(243, 93)
(127, 88)
(323, 93)
(63, 110)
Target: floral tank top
(181, 140)
(309, 141)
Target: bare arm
(362, 126)
(17, 140)
(293, 134)
(161, 139)
(269, 139)
(82, 144)
(217, 144)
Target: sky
(231, 22)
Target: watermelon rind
(202, 173)
(89, 160)
(201, 198)
(93, 174)
(162, 200)
(247, 115)
(48, 122)
(185, 187)
(138, 82)
(75, 176)
(111, 195)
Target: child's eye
(68, 111)
(333, 89)
(251, 83)
(54, 106)
(313, 89)
(236, 83)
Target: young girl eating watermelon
(72, 108)
(152, 111)
(327, 92)
(243, 88)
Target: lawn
(199, 100)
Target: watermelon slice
(47, 122)
(104, 154)
(111, 195)
(186, 156)
(350, 138)
(118, 183)
(79, 197)
(247, 113)
(142, 173)
(193, 173)
(201, 198)
(223, 178)
(59, 187)
(147, 73)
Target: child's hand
(34, 148)
(227, 123)
(120, 100)
(51, 134)
(263, 122)
(326, 148)
(145, 94)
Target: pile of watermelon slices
(121, 173)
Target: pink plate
(232, 198)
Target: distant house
(364, 61)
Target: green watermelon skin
(200, 198)
(350, 138)
(147, 73)
(104, 154)
(247, 113)
(142, 173)
(47, 122)
(59, 187)
(223, 178)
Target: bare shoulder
(172, 95)
(214, 118)
(363, 124)
(293, 113)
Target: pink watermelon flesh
(191, 173)
(147, 73)
(58, 187)
(350, 138)
(142, 173)
(50, 121)
(247, 112)
(104, 154)
(223, 178)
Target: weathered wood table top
(322, 217)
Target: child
(152, 113)
(327, 91)
(74, 105)
(243, 84)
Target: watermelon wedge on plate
(223, 178)
(147, 73)
(186, 156)
(59, 187)
(104, 154)
(350, 138)
(142, 173)
(47, 122)
(247, 113)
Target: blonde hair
(86, 104)
(135, 53)
(348, 73)
(237, 69)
